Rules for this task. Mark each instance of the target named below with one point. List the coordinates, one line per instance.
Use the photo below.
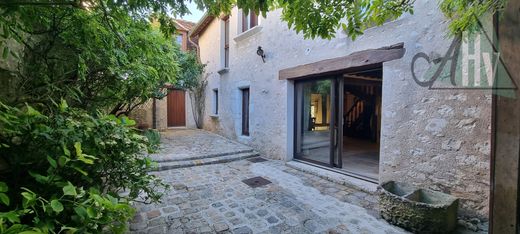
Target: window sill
(252, 31)
(245, 137)
(214, 116)
(223, 71)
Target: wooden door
(176, 108)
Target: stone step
(204, 161)
(175, 158)
(335, 176)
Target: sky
(195, 15)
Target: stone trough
(418, 210)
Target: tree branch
(27, 3)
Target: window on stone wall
(226, 42)
(249, 21)
(245, 111)
(215, 102)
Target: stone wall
(434, 139)
(143, 115)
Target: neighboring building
(183, 27)
(290, 107)
(175, 109)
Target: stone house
(175, 109)
(346, 106)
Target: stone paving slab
(213, 199)
(192, 144)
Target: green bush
(70, 171)
(154, 139)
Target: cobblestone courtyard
(213, 199)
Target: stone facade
(437, 139)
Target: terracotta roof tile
(184, 24)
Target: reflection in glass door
(315, 121)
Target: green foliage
(69, 171)
(70, 166)
(93, 60)
(190, 71)
(465, 13)
(154, 139)
(322, 18)
(314, 18)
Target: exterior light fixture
(260, 53)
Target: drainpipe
(197, 48)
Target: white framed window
(249, 21)
(247, 25)
(225, 37)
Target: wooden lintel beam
(357, 60)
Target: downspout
(197, 48)
(193, 110)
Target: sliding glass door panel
(314, 120)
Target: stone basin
(417, 210)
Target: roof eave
(201, 26)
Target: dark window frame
(215, 96)
(246, 94)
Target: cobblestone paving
(190, 143)
(213, 199)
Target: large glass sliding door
(350, 101)
(316, 133)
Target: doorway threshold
(177, 127)
(335, 175)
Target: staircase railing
(354, 112)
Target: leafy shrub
(94, 63)
(154, 139)
(70, 171)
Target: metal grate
(256, 182)
(256, 160)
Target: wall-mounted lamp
(260, 53)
